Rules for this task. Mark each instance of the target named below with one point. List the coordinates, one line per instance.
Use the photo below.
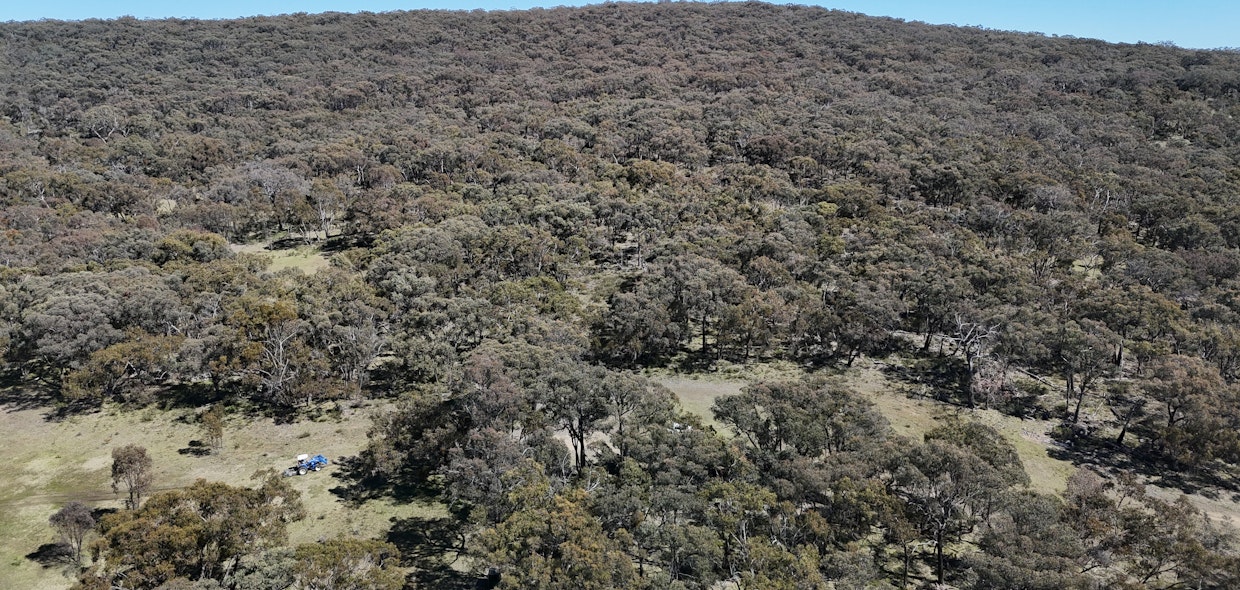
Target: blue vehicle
(306, 463)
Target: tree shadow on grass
(16, 394)
(340, 243)
(191, 396)
(941, 378)
(432, 546)
(693, 363)
(51, 555)
(196, 448)
(58, 556)
(420, 539)
(1086, 450)
(289, 242)
(359, 484)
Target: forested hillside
(526, 213)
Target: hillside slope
(499, 220)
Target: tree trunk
(969, 360)
(938, 555)
(1080, 399)
(703, 333)
(1070, 378)
(580, 444)
(908, 560)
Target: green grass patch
(307, 259)
(697, 395)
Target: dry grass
(51, 463)
(307, 259)
(697, 395)
(909, 417)
(696, 392)
(912, 417)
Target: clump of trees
(212, 535)
(199, 533)
(813, 490)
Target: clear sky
(1187, 23)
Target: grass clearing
(51, 463)
(697, 395)
(308, 259)
(909, 416)
(912, 417)
(696, 392)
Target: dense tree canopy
(192, 534)
(524, 210)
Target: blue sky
(1187, 23)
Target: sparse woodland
(526, 211)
